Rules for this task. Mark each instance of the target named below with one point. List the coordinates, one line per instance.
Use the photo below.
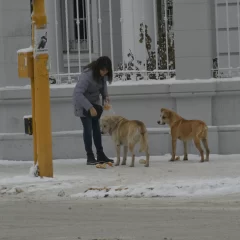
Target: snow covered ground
(74, 179)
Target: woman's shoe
(102, 158)
(91, 159)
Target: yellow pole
(42, 91)
(33, 109)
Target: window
(79, 9)
(82, 19)
(170, 14)
(169, 11)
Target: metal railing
(149, 56)
(227, 23)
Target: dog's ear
(109, 119)
(169, 114)
(102, 118)
(164, 110)
(105, 119)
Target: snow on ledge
(171, 81)
(25, 50)
(27, 116)
(156, 82)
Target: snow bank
(74, 179)
(159, 189)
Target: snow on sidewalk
(74, 179)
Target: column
(135, 12)
(116, 30)
(193, 34)
(54, 41)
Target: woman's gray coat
(87, 92)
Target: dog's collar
(114, 128)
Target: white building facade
(203, 41)
(203, 34)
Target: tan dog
(185, 130)
(127, 133)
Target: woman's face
(103, 72)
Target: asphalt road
(112, 219)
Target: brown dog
(185, 130)
(127, 133)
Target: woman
(86, 98)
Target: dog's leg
(174, 143)
(125, 151)
(131, 149)
(118, 154)
(147, 159)
(205, 144)
(185, 158)
(198, 146)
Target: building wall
(215, 102)
(194, 35)
(15, 33)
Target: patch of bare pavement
(122, 219)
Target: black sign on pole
(31, 11)
(31, 6)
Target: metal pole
(166, 33)
(228, 40)
(89, 31)
(144, 36)
(78, 34)
(56, 34)
(216, 24)
(100, 25)
(111, 32)
(68, 48)
(155, 33)
(123, 42)
(33, 108)
(238, 9)
(42, 90)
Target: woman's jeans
(91, 128)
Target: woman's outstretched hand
(107, 99)
(93, 112)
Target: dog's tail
(143, 138)
(202, 131)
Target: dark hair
(101, 63)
